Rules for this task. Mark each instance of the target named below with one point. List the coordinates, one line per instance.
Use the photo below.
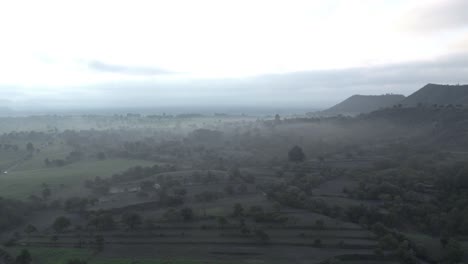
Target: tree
(321, 159)
(54, 239)
(60, 224)
(76, 261)
(30, 147)
(30, 229)
(320, 224)
(46, 193)
(76, 204)
(131, 220)
(406, 254)
(238, 210)
(149, 223)
(341, 244)
(222, 221)
(453, 252)
(182, 192)
(99, 243)
(147, 186)
(101, 156)
(388, 242)
(296, 154)
(229, 189)
(318, 242)
(242, 188)
(24, 257)
(171, 215)
(277, 118)
(379, 229)
(187, 214)
(262, 236)
(243, 227)
(102, 222)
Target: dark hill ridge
(439, 126)
(358, 104)
(439, 94)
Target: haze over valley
(234, 132)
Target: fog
(233, 132)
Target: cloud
(404, 78)
(437, 16)
(4, 102)
(307, 89)
(461, 45)
(123, 69)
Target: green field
(7, 158)
(148, 261)
(54, 255)
(22, 183)
(56, 151)
(45, 255)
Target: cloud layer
(436, 16)
(215, 53)
(131, 70)
(307, 90)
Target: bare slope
(439, 94)
(358, 104)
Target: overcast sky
(170, 53)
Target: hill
(439, 94)
(358, 104)
(445, 127)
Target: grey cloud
(308, 90)
(130, 70)
(5, 102)
(442, 15)
(461, 45)
(311, 88)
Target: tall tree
(296, 154)
(238, 210)
(46, 193)
(132, 220)
(30, 229)
(60, 224)
(30, 147)
(24, 257)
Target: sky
(310, 53)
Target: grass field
(47, 255)
(51, 152)
(24, 182)
(54, 255)
(7, 158)
(148, 261)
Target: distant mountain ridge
(358, 104)
(439, 94)
(429, 95)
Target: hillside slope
(439, 94)
(358, 104)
